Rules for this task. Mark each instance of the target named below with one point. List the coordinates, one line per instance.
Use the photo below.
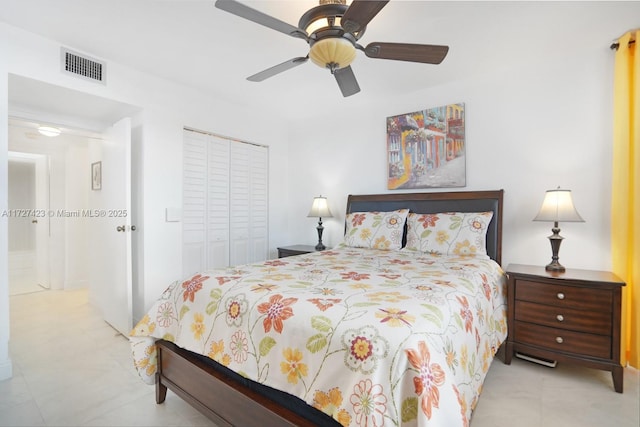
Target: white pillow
(376, 230)
(453, 233)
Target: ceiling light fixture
(330, 46)
(333, 53)
(49, 131)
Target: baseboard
(76, 284)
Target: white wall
(527, 130)
(77, 187)
(6, 368)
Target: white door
(194, 203)
(259, 189)
(225, 202)
(218, 203)
(110, 226)
(240, 203)
(205, 206)
(249, 203)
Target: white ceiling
(195, 44)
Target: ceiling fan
(332, 31)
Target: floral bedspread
(370, 337)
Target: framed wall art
(426, 149)
(96, 176)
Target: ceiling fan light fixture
(326, 16)
(336, 52)
(322, 22)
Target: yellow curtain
(625, 201)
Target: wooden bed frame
(230, 400)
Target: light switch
(173, 214)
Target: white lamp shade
(320, 208)
(558, 207)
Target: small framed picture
(96, 176)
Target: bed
(396, 325)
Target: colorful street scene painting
(426, 149)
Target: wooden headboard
(456, 201)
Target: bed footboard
(223, 400)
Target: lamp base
(555, 266)
(555, 240)
(320, 228)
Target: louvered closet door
(218, 203)
(259, 202)
(249, 203)
(240, 218)
(205, 203)
(194, 203)
(225, 206)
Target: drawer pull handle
(559, 340)
(560, 318)
(560, 295)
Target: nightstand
(286, 251)
(569, 317)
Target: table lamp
(557, 207)
(320, 209)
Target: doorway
(37, 102)
(48, 188)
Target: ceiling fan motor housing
(330, 45)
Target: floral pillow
(454, 233)
(376, 230)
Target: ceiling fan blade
(360, 13)
(346, 81)
(277, 69)
(243, 11)
(426, 53)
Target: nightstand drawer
(562, 340)
(564, 296)
(594, 322)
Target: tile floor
(72, 369)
